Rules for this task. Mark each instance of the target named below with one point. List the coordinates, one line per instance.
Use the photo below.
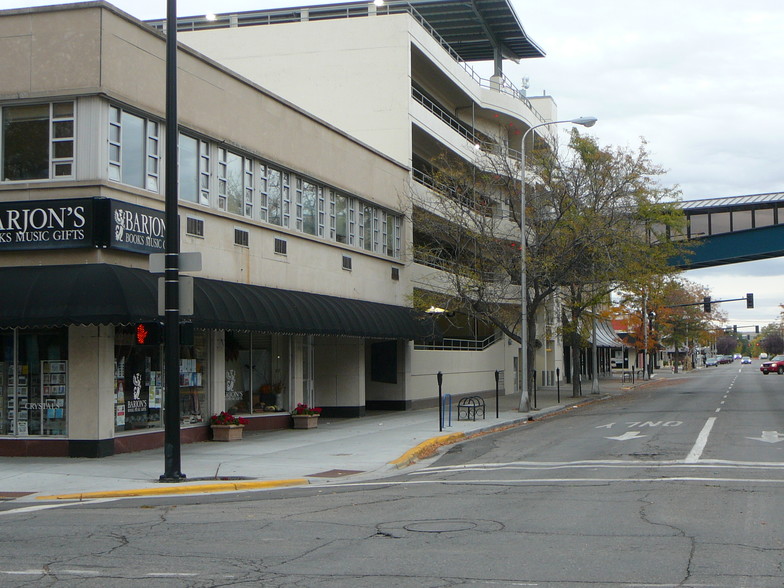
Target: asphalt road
(676, 484)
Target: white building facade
(399, 78)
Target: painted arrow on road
(628, 435)
(769, 437)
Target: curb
(426, 449)
(172, 490)
(430, 447)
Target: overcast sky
(700, 80)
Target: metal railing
(458, 126)
(457, 344)
(500, 83)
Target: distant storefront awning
(605, 336)
(47, 296)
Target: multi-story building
(303, 294)
(398, 75)
(301, 148)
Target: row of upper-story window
(39, 143)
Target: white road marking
(628, 435)
(561, 481)
(702, 441)
(597, 464)
(769, 437)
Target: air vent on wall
(280, 246)
(346, 262)
(194, 226)
(395, 273)
(241, 237)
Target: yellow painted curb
(179, 489)
(426, 449)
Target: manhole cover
(401, 528)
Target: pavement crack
(645, 518)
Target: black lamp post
(651, 356)
(171, 324)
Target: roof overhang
(476, 30)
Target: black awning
(45, 296)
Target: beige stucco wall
(353, 74)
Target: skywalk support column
(171, 325)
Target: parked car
(773, 365)
(712, 362)
(745, 359)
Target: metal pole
(594, 359)
(496, 393)
(525, 401)
(558, 383)
(440, 378)
(645, 335)
(172, 465)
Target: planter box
(227, 432)
(305, 421)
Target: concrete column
(91, 392)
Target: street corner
(426, 449)
(179, 489)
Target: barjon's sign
(50, 224)
(81, 222)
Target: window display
(255, 374)
(139, 381)
(33, 382)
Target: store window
(139, 380)
(34, 382)
(38, 141)
(255, 374)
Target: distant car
(773, 365)
(711, 362)
(745, 359)
(763, 356)
(725, 358)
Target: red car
(773, 365)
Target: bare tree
(594, 220)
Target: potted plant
(227, 427)
(305, 417)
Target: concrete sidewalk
(355, 449)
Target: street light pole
(172, 471)
(525, 401)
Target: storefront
(76, 373)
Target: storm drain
(13, 495)
(334, 473)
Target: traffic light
(706, 304)
(749, 300)
(150, 333)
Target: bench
(469, 407)
(626, 377)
